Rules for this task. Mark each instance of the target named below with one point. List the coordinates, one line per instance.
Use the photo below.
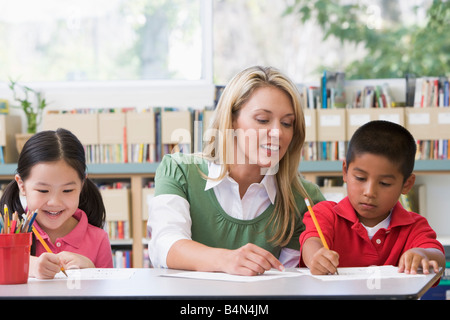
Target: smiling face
(264, 127)
(374, 185)
(53, 188)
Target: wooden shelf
(137, 173)
(423, 166)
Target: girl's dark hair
(50, 146)
(386, 139)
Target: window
(61, 40)
(390, 43)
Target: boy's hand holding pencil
(316, 253)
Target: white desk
(150, 284)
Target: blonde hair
(235, 95)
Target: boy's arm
(414, 258)
(319, 259)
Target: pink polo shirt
(85, 239)
(348, 237)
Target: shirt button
(378, 241)
(58, 244)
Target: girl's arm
(72, 260)
(46, 266)
(247, 260)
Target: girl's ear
(409, 183)
(20, 184)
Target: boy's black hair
(386, 139)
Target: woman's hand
(249, 260)
(246, 260)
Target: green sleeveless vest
(179, 174)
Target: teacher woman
(238, 206)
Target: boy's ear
(409, 183)
(344, 170)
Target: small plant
(33, 111)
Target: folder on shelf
(82, 125)
(117, 204)
(140, 127)
(331, 125)
(110, 128)
(359, 116)
(442, 121)
(356, 118)
(176, 127)
(421, 123)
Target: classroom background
(137, 79)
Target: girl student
(51, 176)
(238, 206)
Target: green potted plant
(33, 109)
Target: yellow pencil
(36, 233)
(316, 223)
(313, 216)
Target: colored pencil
(38, 236)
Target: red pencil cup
(14, 257)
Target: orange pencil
(36, 233)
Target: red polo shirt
(348, 237)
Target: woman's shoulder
(312, 189)
(183, 159)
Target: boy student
(370, 226)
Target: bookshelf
(100, 129)
(138, 174)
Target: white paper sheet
(374, 272)
(93, 274)
(345, 274)
(268, 275)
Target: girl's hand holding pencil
(12, 224)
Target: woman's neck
(245, 175)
